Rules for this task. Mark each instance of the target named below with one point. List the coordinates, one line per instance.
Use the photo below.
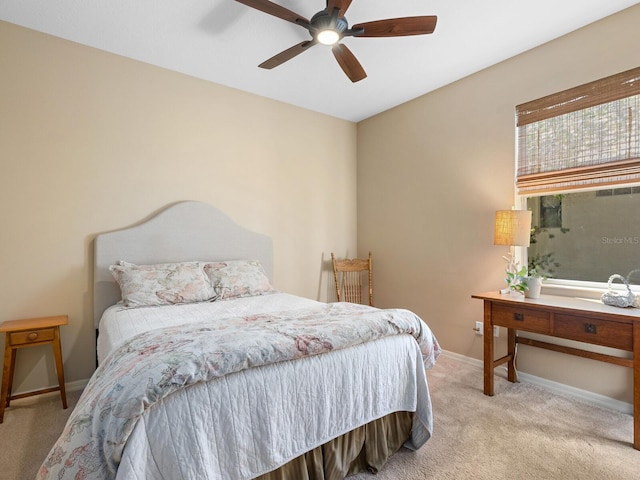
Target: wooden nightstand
(30, 332)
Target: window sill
(591, 290)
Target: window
(586, 235)
(578, 168)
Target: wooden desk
(30, 332)
(564, 317)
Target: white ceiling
(223, 41)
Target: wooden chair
(349, 276)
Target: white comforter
(118, 324)
(250, 422)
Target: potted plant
(516, 280)
(533, 279)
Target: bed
(230, 378)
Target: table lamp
(513, 229)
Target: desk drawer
(601, 332)
(520, 318)
(32, 336)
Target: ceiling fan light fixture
(328, 37)
(326, 28)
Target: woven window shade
(582, 137)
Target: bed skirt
(366, 448)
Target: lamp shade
(513, 228)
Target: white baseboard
(560, 388)
(77, 385)
(464, 359)
(69, 387)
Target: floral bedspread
(153, 365)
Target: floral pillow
(162, 284)
(238, 278)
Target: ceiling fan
(329, 26)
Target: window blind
(582, 137)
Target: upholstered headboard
(182, 232)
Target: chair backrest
(350, 275)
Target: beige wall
(91, 142)
(432, 172)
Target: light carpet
(523, 432)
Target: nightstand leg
(57, 353)
(14, 355)
(7, 374)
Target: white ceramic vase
(534, 284)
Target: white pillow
(238, 278)
(162, 284)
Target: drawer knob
(518, 316)
(32, 335)
(589, 328)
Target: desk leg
(636, 385)
(512, 374)
(7, 374)
(488, 350)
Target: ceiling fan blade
(340, 4)
(287, 54)
(274, 9)
(397, 27)
(348, 62)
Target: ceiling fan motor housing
(325, 21)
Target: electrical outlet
(479, 328)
